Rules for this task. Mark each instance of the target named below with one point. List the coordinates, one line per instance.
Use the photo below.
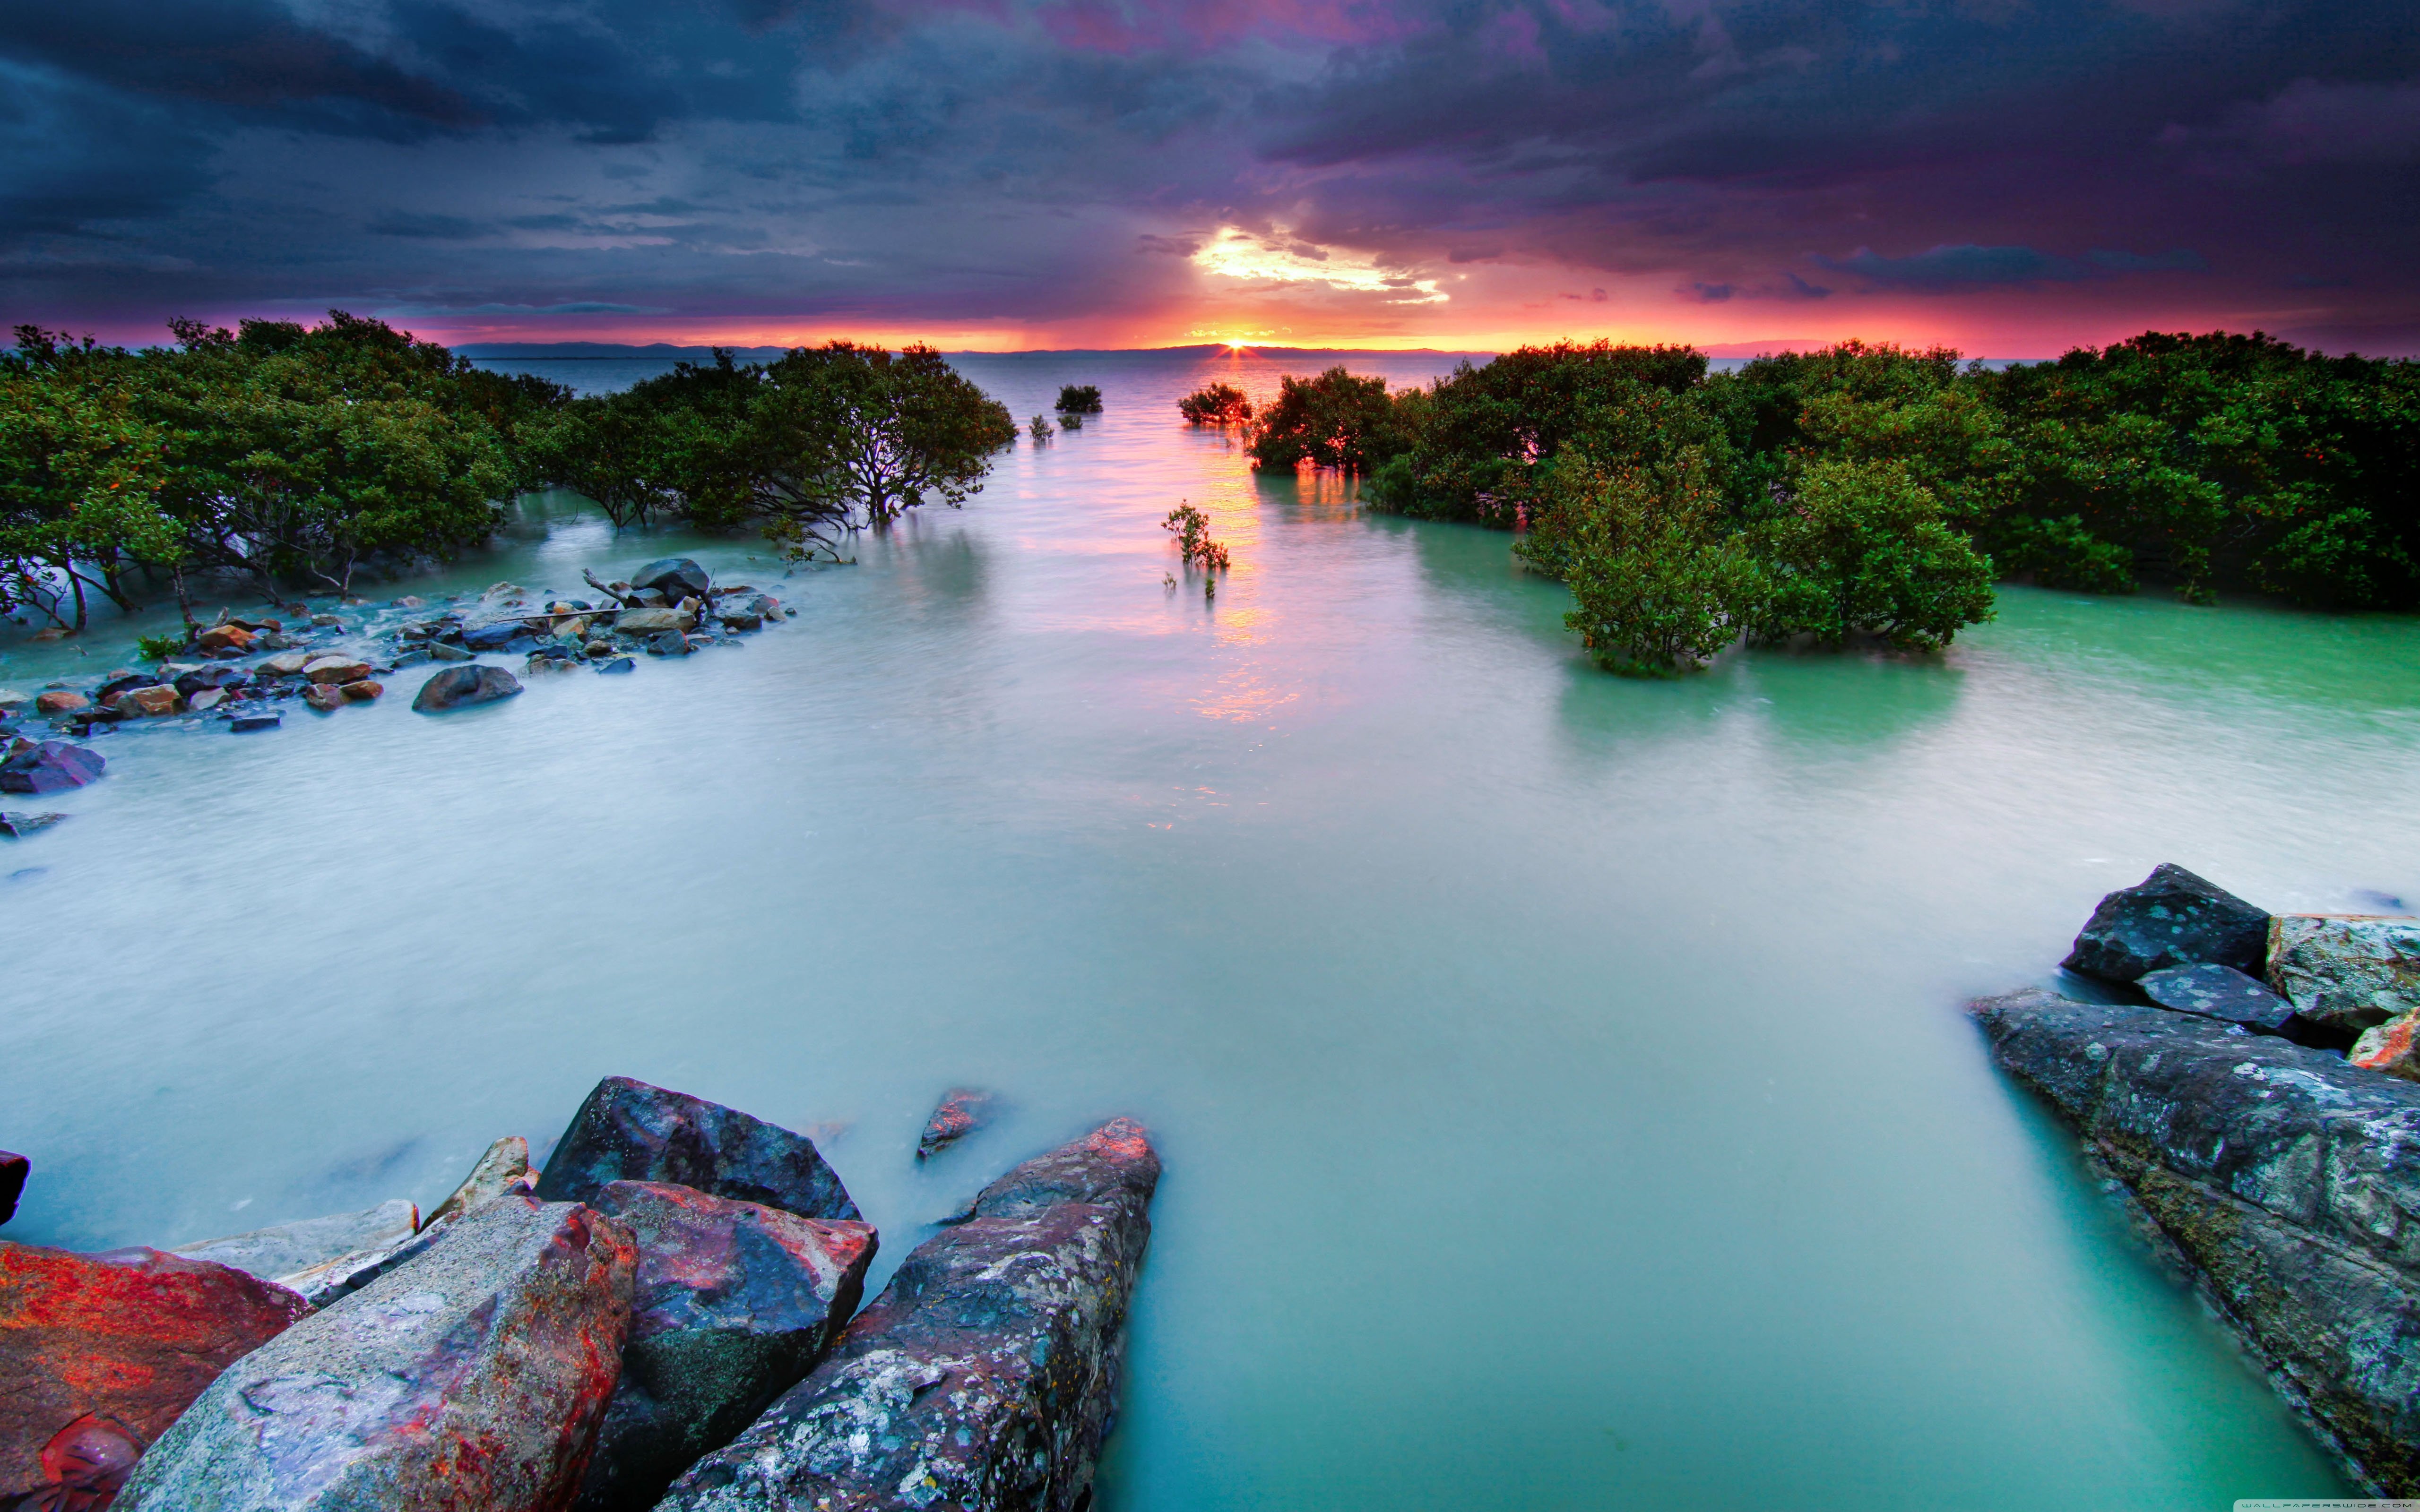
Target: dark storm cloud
(1036, 159)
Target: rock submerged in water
(472, 1382)
(961, 1111)
(2217, 992)
(2346, 972)
(2170, 918)
(629, 1131)
(460, 687)
(735, 1303)
(128, 1338)
(277, 1252)
(49, 766)
(985, 1376)
(676, 577)
(2285, 1176)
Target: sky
(2010, 177)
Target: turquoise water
(1560, 1078)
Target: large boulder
(2346, 972)
(127, 1338)
(503, 1171)
(627, 1131)
(2170, 918)
(504, 1167)
(735, 1303)
(458, 687)
(49, 766)
(279, 1252)
(986, 1375)
(676, 577)
(471, 1381)
(2286, 1177)
(14, 1169)
(2393, 1047)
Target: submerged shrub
(1335, 420)
(1862, 549)
(1216, 403)
(1079, 399)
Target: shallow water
(1561, 1080)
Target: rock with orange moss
(736, 1301)
(126, 1339)
(471, 1380)
(2393, 1047)
(985, 1376)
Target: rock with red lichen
(2393, 1047)
(471, 1380)
(959, 1113)
(627, 1131)
(986, 1375)
(735, 1303)
(130, 1337)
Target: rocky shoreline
(242, 675)
(666, 1316)
(2259, 1107)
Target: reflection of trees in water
(1319, 492)
(1829, 702)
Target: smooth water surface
(1561, 1079)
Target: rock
(60, 702)
(574, 629)
(326, 622)
(86, 1464)
(742, 620)
(599, 649)
(961, 1112)
(118, 683)
(18, 826)
(2346, 972)
(2390, 1048)
(460, 687)
(324, 696)
(735, 1303)
(49, 633)
(439, 651)
(51, 766)
(985, 1376)
(275, 1253)
(2281, 1174)
(147, 702)
(221, 638)
(131, 1336)
(648, 622)
(411, 601)
(274, 642)
(670, 643)
(286, 664)
(471, 1381)
(676, 577)
(205, 679)
(2170, 918)
(627, 1131)
(541, 666)
(10, 698)
(619, 664)
(14, 1169)
(495, 636)
(505, 1169)
(2217, 992)
(337, 670)
(244, 724)
(364, 691)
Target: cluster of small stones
(240, 673)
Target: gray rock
(619, 664)
(676, 577)
(2346, 972)
(441, 651)
(2170, 918)
(18, 826)
(505, 1167)
(735, 1303)
(627, 1131)
(474, 1382)
(648, 622)
(243, 724)
(460, 687)
(670, 643)
(2286, 1178)
(2217, 992)
(282, 1250)
(985, 1376)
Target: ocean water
(1561, 1080)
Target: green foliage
(1079, 399)
(1862, 549)
(1216, 403)
(1193, 544)
(158, 647)
(1039, 429)
(1660, 579)
(1335, 420)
